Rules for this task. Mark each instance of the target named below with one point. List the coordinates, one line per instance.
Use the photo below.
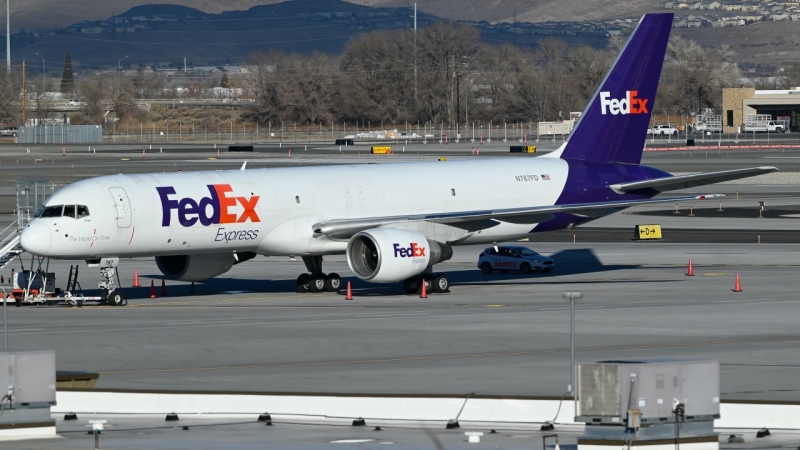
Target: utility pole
(24, 94)
(415, 53)
(457, 76)
(8, 36)
(44, 74)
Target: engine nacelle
(199, 267)
(387, 255)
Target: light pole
(572, 296)
(119, 72)
(44, 75)
(119, 65)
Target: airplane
(393, 221)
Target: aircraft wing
(691, 180)
(475, 220)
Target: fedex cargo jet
(393, 222)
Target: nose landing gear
(112, 294)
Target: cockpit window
(52, 211)
(69, 211)
(74, 211)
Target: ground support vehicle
(516, 258)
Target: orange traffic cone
(424, 292)
(136, 278)
(738, 286)
(163, 288)
(349, 295)
(152, 289)
(690, 273)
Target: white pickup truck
(770, 126)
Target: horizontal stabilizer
(691, 180)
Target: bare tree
(10, 93)
(266, 87)
(693, 76)
(310, 85)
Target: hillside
(526, 10)
(35, 15)
(166, 34)
(207, 32)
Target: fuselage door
(122, 207)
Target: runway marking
(449, 357)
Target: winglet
(244, 165)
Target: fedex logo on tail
(628, 105)
(413, 251)
(215, 209)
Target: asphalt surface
(502, 334)
(128, 433)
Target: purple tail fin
(613, 128)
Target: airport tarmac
(134, 434)
(503, 334)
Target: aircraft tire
(412, 285)
(333, 282)
(316, 283)
(441, 284)
(115, 298)
(427, 278)
(303, 283)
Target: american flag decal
(546, 177)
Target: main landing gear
(316, 281)
(438, 283)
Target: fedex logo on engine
(217, 208)
(628, 105)
(414, 251)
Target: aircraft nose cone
(35, 238)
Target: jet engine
(199, 267)
(387, 255)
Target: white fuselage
(279, 206)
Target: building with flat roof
(781, 104)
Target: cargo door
(122, 207)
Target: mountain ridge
(41, 15)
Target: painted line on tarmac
(450, 357)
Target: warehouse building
(782, 105)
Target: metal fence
(61, 134)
